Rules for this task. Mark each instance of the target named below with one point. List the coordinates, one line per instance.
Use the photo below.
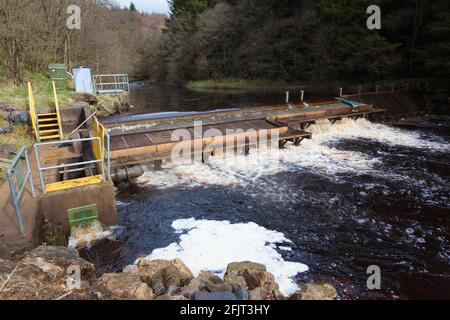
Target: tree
(132, 7)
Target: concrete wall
(73, 115)
(397, 103)
(54, 205)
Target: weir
(154, 140)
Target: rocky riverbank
(43, 273)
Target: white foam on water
(212, 245)
(314, 155)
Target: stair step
(50, 137)
(48, 131)
(48, 125)
(48, 120)
(46, 114)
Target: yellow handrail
(99, 131)
(55, 96)
(33, 110)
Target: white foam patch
(313, 155)
(212, 245)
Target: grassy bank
(239, 84)
(42, 89)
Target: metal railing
(96, 141)
(111, 83)
(18, 181)
(33, 114)
(58, 114)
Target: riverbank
(41, 274)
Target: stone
(236, 267)
(167, 277)
(45, 266)
(255, 295)
(260, 279)
(214, 296)
(127, 286)
(18, 117)
(6, 267)
(319, 292)
(131, 269)
(85, 97)
(170, 298)
(148, 268)
(182, 267)
(241, 293)
(5, 129)
(64, 258)
(196, 284)
(237, 281)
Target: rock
(6, 267)
(18, 117)
(236, 267)
(255, 295)
(64, 258)
(127, 286)
(170, 298)
(131, 269)
(5, 129)
(182, 267)
(45, 266)
(214, 296)
(196, 284)
(241, 293)
(260, 279)
(148, 268)
(167, 277)
(317, 292)
(54, 235)
(237, 281)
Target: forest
(290, 40)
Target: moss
(18, 137)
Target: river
(358, 194)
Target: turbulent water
(358, 194)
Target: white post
(302, 95)
(287, 97)
(340, 92)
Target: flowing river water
(358, 194)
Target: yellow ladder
(47, 126)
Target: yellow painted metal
(69, 184)
(99, 131)
(49, 120)
(49, 131)
(51, 125)
(40, 115)
(33, 111)
(61, 135)
(56, 136)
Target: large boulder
(19, 117)
(48, 258)
(127, 286)
(235, 268)
(314, 291)
(170, 276)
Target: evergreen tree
(132, 7)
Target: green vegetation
(19, 137)
(17, 95)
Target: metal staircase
(47, 126)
